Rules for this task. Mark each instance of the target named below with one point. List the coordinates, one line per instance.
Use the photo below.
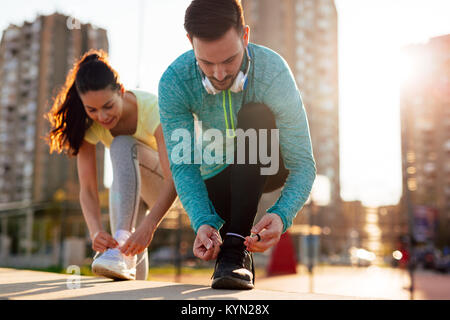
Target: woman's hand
(102, 240)
(139, 240)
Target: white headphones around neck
(239, 84)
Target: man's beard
(225, 84)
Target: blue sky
(371, 33)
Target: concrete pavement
(34, 285)
(366, 282)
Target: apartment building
(34, 60)
(425, 123)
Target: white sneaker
(115, 265)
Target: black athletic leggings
(236, 191)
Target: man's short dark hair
(211, 19)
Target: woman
(94, 107)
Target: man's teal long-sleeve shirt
(270, 82)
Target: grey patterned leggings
(137, 179)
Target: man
(223, 81)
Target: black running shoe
(234, 266)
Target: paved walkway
(34, 285)
(367, 283)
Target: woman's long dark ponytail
(67, 117)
